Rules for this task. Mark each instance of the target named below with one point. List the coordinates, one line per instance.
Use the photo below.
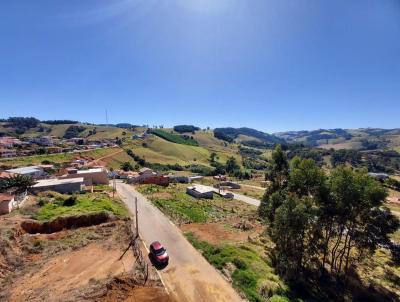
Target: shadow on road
(159, 266)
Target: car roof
(156, 245)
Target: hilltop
(358, 139)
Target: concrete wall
(97, 178)
(61, 188)
(194, 193)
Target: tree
(277, 175)
(19, 183)
(126, 166)
(213, 155)
(231, 165)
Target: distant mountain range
(360, 139)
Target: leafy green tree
(278, 176)
(18, 182)
(126, 166)
(231, 165)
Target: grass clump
(65, 205)
(251, 272)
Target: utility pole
(136, 218)
(114, 185)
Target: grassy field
(54, 206)
(56, 158)
(158, 150)
(174, 138)
(183, 208)
(251, 274)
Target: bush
(70, 201)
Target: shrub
(70, 201)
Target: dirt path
(188, 277)
(107, 156)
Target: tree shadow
(317, 286)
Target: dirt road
(244, 198)
(188, 277)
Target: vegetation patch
(250, 273)
(183, 208)
(178, 139)
(56, 205)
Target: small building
(5, 175)
(200, 191)
(95, 176)
(54, 149)
(6, 203)
(227, 184)
(8, 153)
(220, 177)
(148, 176)
(45, 141)
(379, 176)
(59, 185)
(34, 171)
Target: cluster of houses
(13, 147)
(73, 180)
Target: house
(220, 177)
(95, 176)
(34, 171)
(54, 149)
(59, 185)
(4, 174)
(6, 203)
(8, 153)
(45, 141)
(200, 191)
(148, 176)
(9, 142)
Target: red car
(159, 253)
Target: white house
(34, 171)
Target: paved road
(188, 277)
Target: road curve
(188, 276)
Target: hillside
(91, 132)
(247, 136)
(155, 149)
(360, 139)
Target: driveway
(188, 277)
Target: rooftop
(200, 189)
(6, 197)
(55, 182)
(94, 170)
(25, 170)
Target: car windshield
(160, 251)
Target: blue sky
(272, 65)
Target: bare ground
(72, 265)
